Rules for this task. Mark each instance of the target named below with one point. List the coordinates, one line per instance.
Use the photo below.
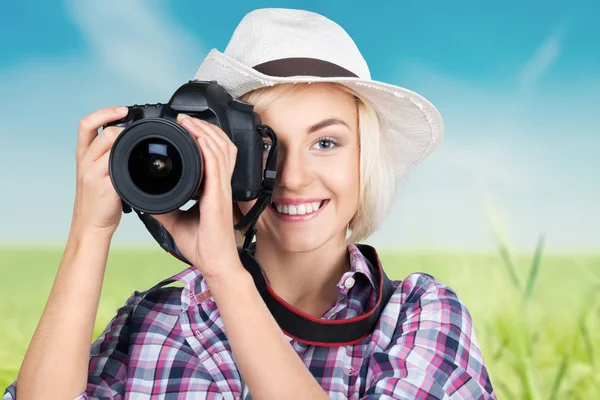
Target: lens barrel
(156, 166)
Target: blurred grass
(537, 316)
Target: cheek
(345, 181)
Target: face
(317, 188)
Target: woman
(343, 141)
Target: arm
(108, 359)
(268, 363)
(56, 361)
(433, 352)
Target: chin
(300, 243)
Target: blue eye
(326, 143)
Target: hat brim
(411, 126)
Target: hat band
(295, 66)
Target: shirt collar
(359, 266)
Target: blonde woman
(344, 140)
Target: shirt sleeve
(109, 358)
(433, 353)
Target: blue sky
(516, 82)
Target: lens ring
(187, 148)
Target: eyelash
(331, 140)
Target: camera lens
(155, 166)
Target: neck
(305, 280)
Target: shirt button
(199, 334)
(349, 283)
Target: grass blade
(587, 342)
(504, 388)
(583, 329)
(533, 272)
(508, 263)
(560, 374)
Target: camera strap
(293, 322)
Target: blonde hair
(377, 180)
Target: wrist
(234, 276)
(88, 240)
(84, 232)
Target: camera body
(156, 165)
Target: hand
(97, 204)
(204, 234)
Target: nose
(293, 171)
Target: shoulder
(419, 285)
(422, 298)
(424, 311)
(141, 313)
(149, 304)
(169, 295)
(428, 328)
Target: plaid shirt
(169, 343)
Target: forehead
(311, 103)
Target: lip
(298, 218)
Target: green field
(539, 328)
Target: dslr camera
(156, 166)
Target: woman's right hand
(97, 205)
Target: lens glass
(155, 166)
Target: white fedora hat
(271, 46)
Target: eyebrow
(325, 123)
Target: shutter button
(349, 283)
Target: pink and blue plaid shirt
(169, 343)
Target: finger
(223, 163)
(99, 167)
(213, 173)
(99, 176)
(220, 136)
(219, 145)
(102, 144)
(199, 130)
(168, 220)
(226, 146)
(199, 127)
(89, 125)
(194, 129)
(218, 166)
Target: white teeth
(298, 209)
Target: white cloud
(541, 61)
(138, 41)
(531, 153)
(135, 54)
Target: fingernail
(121, 110)
(182, 117)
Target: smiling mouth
(298, 209)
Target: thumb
(168, 220)
(177, 219)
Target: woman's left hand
(204, 234)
